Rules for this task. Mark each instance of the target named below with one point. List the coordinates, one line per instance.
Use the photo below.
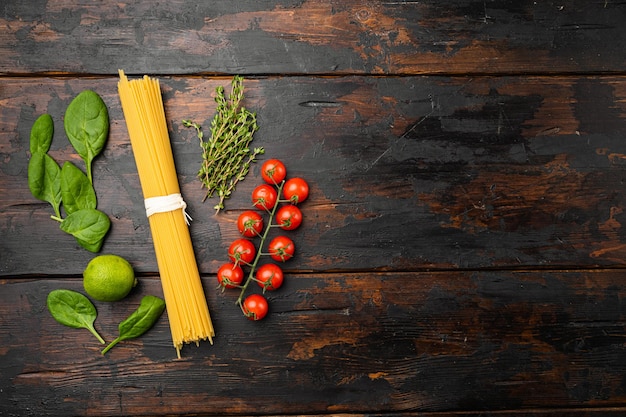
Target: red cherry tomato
(255, 307)
(269, 277)
(264, 197)
(296, 190)
(230, 275)
(289, 217)
(250, 223)
(281, 248)
(242, 251)
(273, 171)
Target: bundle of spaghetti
(185, 301)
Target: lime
(108, 278)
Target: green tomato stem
(259, 252)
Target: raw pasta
(186, 304)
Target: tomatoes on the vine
(281, 248)
(242, 251)
(276, 203)
(296, 190)
(230, 275)
(269, 277)
(250, 223)
(264, 197)
(255, 307)
(273, 171)
(289, 217)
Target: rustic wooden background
(462, 251)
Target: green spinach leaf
(73, 309)
(44, 176)
(41, 134)
(91, 247)
(77, 192)
(86, 124)
(88, 226)
(140, 321)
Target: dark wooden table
(462, 251)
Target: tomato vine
(242, 253)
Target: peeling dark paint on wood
(425, 337)
(315, 36)
(462, 251)
(473, 181)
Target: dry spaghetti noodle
(186, 304)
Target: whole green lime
(108, 278)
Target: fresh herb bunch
(226, 156)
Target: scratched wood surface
(336, 343)
(483, 172)
(462, 251)
(315, 36)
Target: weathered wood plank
(406, 173)
(312, 37)
(445, 266)
(333, 343)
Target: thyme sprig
(226, 156)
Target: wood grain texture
(334, 343)
(462, 252)
(406, 173)
(312, 37)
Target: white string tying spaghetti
(166, 203)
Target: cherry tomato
(269, 277)
(273, 171)
(250, 223)
(242, 251)
(255, 307)
(289, 217)
(230, 275)
(264, 197)
(296, 190)
(281, 248)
